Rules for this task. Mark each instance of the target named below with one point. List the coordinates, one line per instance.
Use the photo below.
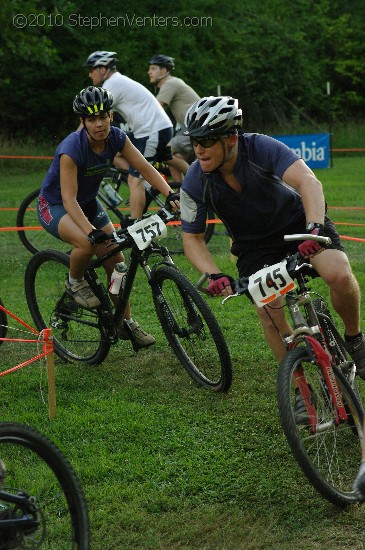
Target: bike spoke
(77, 332)
(327, 448)
(192, 331)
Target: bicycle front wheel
(52, 512)
(33, 236)
(328, 453)
(191, 329)
(78, 333)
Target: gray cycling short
(154, 148)
(181, 144)
(49, 215)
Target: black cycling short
(253, 259)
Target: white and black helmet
(101, 59)
(213, 116)
(92, 101)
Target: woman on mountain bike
(68, 206)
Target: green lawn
(163, 463)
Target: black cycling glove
(97, 236)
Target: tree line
(291, 65)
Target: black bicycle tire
(25, 436)
(32, 239)
(3, 323)
(188, 291)
(37, 261)
(210, 227)
(326, 488)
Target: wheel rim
(27, 472)
(333, 450)
(76, 331)
(192, 335)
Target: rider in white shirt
(150, 127)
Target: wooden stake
(48, 348)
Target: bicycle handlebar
(308, 237)
(294, 263)
(122, 235)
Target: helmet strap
(159, 77)
(104, 78)
(227, 156)
(88, 133)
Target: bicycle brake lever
(118, 238)
(168, 215)
(230, 296)
(299, 267)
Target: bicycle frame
(309, 332)
(137, 258)
(28, 507)
(150, 196)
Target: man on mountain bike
(68, 206)
(261, 190)
(175, 94)
(150, 127)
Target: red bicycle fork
(324, 363)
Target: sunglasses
(205, 142)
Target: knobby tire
(78, 333)
(34, 465)
(330, 456)
(3, 323)
(191, 329)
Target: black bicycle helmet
(163, 61)
(92, 100)
(101, 59)
(213, 116)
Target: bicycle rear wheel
(191, 329)
(35, 239)
(78, 333)
(329, 455)
(55, 514)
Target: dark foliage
(275, 57)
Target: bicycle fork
(321, 358)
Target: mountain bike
(35, 238)
(41, 501)
(316, 373)
(86, 336)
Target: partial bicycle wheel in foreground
(41, 500)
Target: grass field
(163, 463)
